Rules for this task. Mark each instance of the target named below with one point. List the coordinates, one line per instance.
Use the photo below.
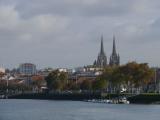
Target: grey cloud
(64, 33)
(72, 8)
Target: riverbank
(146, 98)
(57, 96)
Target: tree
(136, 75)
(86, 85)
(100, 84)
(131, 75)
(56, 80)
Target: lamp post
(159, 86)
(158, 81)
(155, 79)
(7, 89)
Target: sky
(66, 33)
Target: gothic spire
(101, 59)
(114, 58)
(102, 48)
(114, 46)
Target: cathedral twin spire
(102, 59)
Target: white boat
(124, 101)
(100, 101)
(107, 101)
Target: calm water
(69, 110)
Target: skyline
(67, 33)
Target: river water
(74, 110)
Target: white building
(2, 70)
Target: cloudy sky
(66, 33)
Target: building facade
(27, 69)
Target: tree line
(130, 77)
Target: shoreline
(146, 98)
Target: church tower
(102, 59)
(114, 58)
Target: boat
(107, 101)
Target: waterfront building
(62, 70)
(44, 72)
(114, 58)
(85, 73)
(91, 68)
(80, 69)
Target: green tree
(56, 80)
(100, 84)
(110, 75)
(86, 85)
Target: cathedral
(102, 58)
